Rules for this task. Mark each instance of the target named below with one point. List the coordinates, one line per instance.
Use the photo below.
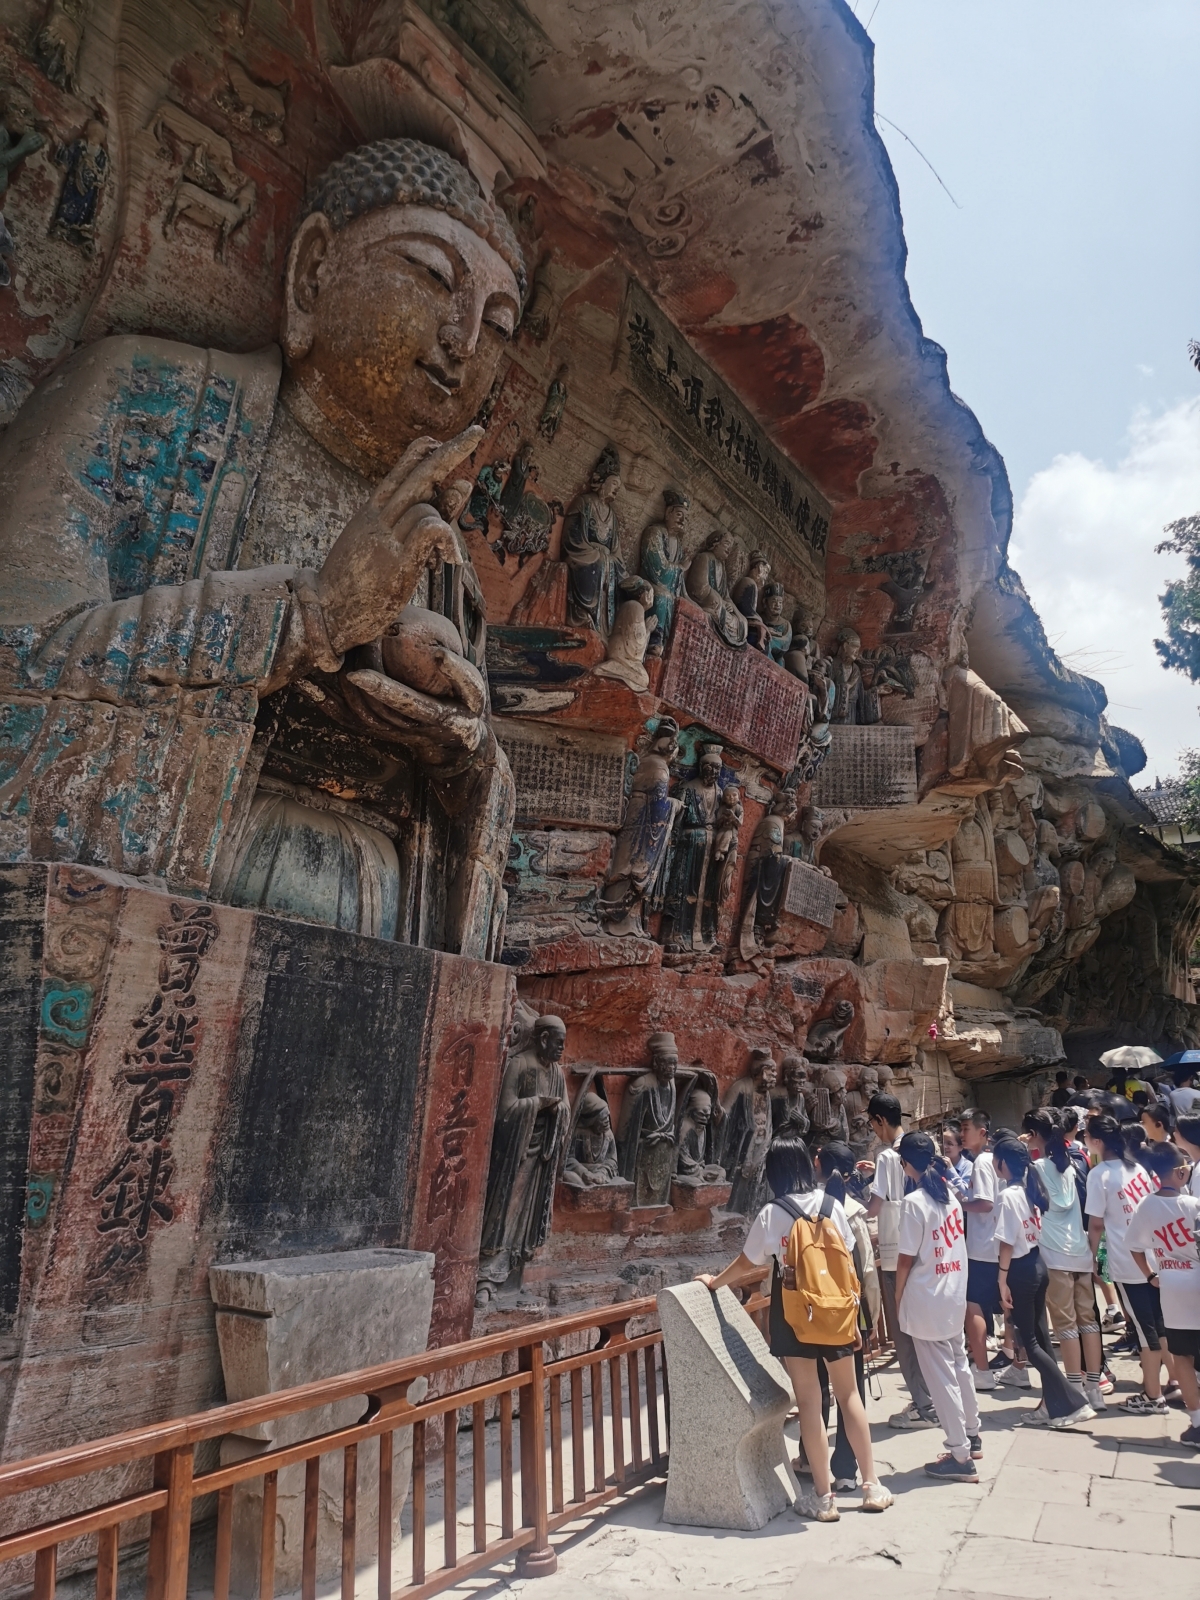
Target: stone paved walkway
(1109, 1509)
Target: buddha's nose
(458, 340)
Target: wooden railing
(629, 1450)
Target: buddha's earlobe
(302, 284)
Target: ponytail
(835, 1163)
(1106, 1131)
(919, 1151)
(1014, 1156)
(1047, 1125)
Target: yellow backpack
(820, 1289)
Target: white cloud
(1083, 541)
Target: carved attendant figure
(708, 586)
(748, 1128)
(592, 1159)
(626, 645)
(646, 1131)
(591, 548)
(531, 1125)
(86, 163)
(788, 1099)
(696, 1163)
(824, 1041)
(690, 910)
(770, 609)
(747, 592)
(636, 870)
(662, 564)
(765, 875)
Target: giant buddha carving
(241, 650)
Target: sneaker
(1173, 1395)
(1107, 1382)
(1095, 1397)
(845, 1485)
(816, 1507)
(1039, 1417)
(912, 1418)
(952, 1470)
(1083, 1414)
(1191, 1436)
(987, 1379)
(1113, 1317)
(1141, 1405)
(1003, 1358)
(1015, 1376)
(876, 1498)
(975, 1444)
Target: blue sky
(1063, 285)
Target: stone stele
(283, 1323)
(729, 1396)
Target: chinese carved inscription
(563, 777)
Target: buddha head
(774, 602)
(675, 511)
(403, 286)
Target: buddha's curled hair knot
(398, 172)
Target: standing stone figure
(864, 1083)
(788, 1108)
(646, 1129)
(592, 1159)
(591, 543)
(801, 844)
(86, 162)
(765, 866)
(636, 871)
(696, 1163)
(747, 594)
(690, 910)
(556, 404)
(531, 1127)
(771, 608)
(662, 564)
(747, 1134)
(708, 585)
(826, 1106)
(730, 817)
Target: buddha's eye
(439, 266)
(501, 319)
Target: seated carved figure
(212, 578)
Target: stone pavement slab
(1094, 1529)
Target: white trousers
(947, 1374)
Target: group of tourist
(977, 1244)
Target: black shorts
(983, 1286)
(1184, 1342)
(1143, 1312)
(783, 1340)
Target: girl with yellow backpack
(814, 1314)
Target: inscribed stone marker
(810, 894)
(564, 777)
(868, 767)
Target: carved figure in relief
(86, 162)
(696, 1163)
(402, 286)
(10, 154)
(556, 404)
(257, 107)
(862, 1083)
(56, 47)
(853, 700)
(591, 543)
(788, 1108)
(646, 1129)
(532, 1117)
(801, 845)
(747, 594)
(708, 585)
(966, 929)
(662, 564)
(747, 1131)
(625, 647)
(771, 606)
(527, 519)
(691, 901)
(763, 889)
(592, 1158)
(730, 816)
(826, 1105)
(637, 869)
(824, 1042)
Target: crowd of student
(999, 1228)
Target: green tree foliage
(1180, 600)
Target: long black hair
(835, 1163)
(1047, 1125)
(919, 1150)
(1017, 1163)
(1106, 1131)
(788, 1167)
(1164, 1114)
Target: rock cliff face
(801, 800)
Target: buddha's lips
(440, 379)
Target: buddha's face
(774, 607)
(811, 822)
(399, 319)
(675, 518)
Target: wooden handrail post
(171, 1528)
(537, 1560)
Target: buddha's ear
(302, 283)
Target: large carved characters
(147, 608)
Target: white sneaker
(816, 1507)
(876, 1498)
(911, 1418)
(1039, 1417)
(845, 1485)
(1094, 1398)
(1015, 1376)
(1083, 1414)
(983, 1379)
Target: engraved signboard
(706, 415)
(810, 894)
(739, 694)
(868, 767)
(564, 777)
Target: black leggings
(843, 1463)
(1027, 1283)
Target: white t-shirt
(934, 1301)
(1194, 1180)
(770, 1229)
(1184, 1100)
(888, 1184)
(1114, 1192)
(1017, 1223)
(1164, 1228)
(981, 1225)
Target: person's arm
(715, 1281)
(875, 1205)
(904, 1265)
(1095, 1229)
(978, 1205)
(1143, 1266)
(1006, 1251)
